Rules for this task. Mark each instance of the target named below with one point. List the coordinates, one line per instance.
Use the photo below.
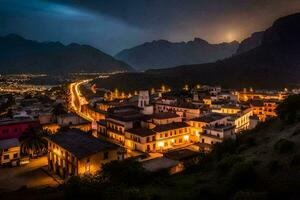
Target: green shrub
(284, 146)
(224, 165)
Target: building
(144, 102)
(246, 96)
(264, 109)
(210, 119)
(228, 109)
(163, 163)
(165, 118)
(120, 119)
(92, 112)
(69, 119)
(10, 152)
(75, 153)
(46, 118)
(216, 134)
(13, 128)
(140, 139)
(184, 110)
(160, 138)
(241, 120)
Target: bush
(220, 150)
(249, 195)
(289, 109)
(82, 187)
(128, 172)
(274, 166)
(226, 163)
(242, 175)
(284, 146)
(295, 160)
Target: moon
(230, 36)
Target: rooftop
(164, 115)
(211, 136)
(171, 126)
(220, 127)
(211, 117)
(127, 116)
(181, 154)
(8, 143)
(159, 163)
(258, 103)
(143, 132)
(81, 144)
(16, 121)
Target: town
(71, 130)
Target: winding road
(77, 99)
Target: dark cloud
(115, 24)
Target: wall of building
(93, 163)
(9, 155)
(15, 130)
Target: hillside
(162, 53)
(250, 43)
(275, 63)
(21, 55)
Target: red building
(14, 128)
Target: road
(77, 99)
(30, 175)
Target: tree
(289, 109)
(33, 141)
(58, 109)
(128, 172)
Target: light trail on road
(77, 99)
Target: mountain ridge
(275, 63)
(30, 56)
(163, 53)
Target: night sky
(112, 25)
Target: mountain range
(21, 55)
(275, 62)
(163, 54)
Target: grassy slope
(255, 146)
